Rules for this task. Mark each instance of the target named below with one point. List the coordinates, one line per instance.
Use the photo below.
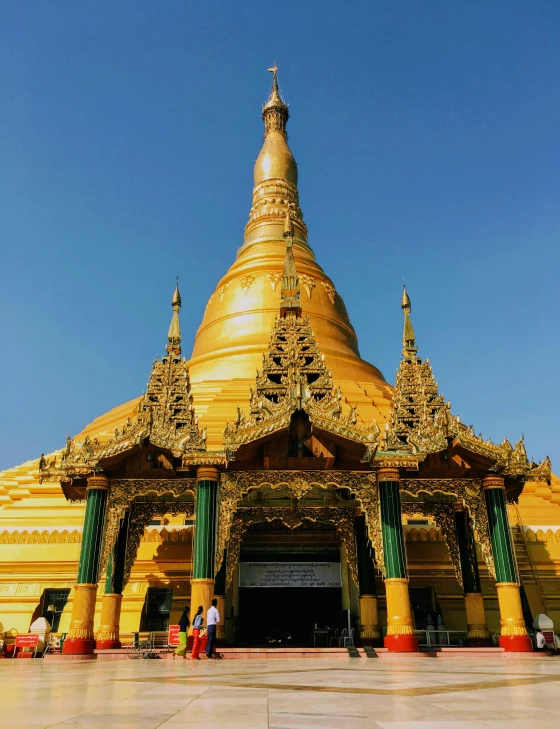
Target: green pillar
(394, 550)
(204, 543)
(467, 552)
(400, 636)
(92, 536)
(477, 630)
(513, 635)
(80, 636)
(369, 620)
(500, 536)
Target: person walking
(212, 619)
(183, 627)
(541, 641)
(197, 627)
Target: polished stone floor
(281, 694)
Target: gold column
(108, 634)
(202, 587)
(513, 635)
(345, 589)
(400, 628)
(369, 619)
(477, 629)
(80, 638)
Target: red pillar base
(401, 643)
(516, 643)
(78, 646)
(105, 645)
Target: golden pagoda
(276, 452)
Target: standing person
(212, 619)
(197, 625)
(541, 641)
(183, 627)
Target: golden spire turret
(290, 293)
(409, 338)
(174, 334)
(275, 177)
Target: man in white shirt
(212, 619)
(541, 641)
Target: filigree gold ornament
(122, 492)
(443, 515)
(341, 517)
(330, 290)
(141, 514)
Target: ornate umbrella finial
(409, 338)
(174, 334)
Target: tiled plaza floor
(281, 694)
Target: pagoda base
(401, 643)
(78, 646)
(516, 643)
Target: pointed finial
(290, 301)
(174, 334)
(409, 338)
(275, 112)
(176, 299)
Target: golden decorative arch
(361, 484)
(341, 517)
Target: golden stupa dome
(239, 316)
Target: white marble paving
(281, 694)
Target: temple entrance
(290, 585)
(283, 617)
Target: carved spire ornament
(294, 376)
(275, 113)
(174, 334)
(166, 416)
(409, 338)
(420, 421)
(290, 293)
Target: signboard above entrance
(289, 574)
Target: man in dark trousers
(212, 619)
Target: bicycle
(142, 649)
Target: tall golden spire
(290, 300)
(275, 177)
(409, 338)
(174, 334)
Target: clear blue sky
(427, 138)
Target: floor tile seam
(183, 707)
(86, 713)
(420, 691)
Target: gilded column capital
(388, 474)
(207, 473)
(493, 482)
(98, 482)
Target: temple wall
(40, 539)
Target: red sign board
(27, 640)
(174, 635)
(549, 637)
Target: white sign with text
(289, 574)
